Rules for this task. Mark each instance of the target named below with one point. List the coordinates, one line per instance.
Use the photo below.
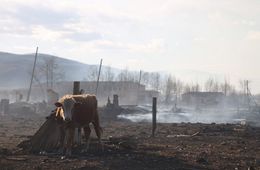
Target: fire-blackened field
(129, 146)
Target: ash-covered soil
(129, 146)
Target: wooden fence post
(76, 91)
(154, 115)
(4, 106)
(76, 87)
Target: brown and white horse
(77, 111)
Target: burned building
(129, 93)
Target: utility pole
(30, 88)
(140, 77)
(47, 76)
(51, 70)
(247, 92)
(154, 116)
(138, 88)
(99, 71)
(225, 88)
(247, 88)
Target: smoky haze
(228, 110)
(211, 101)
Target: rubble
(46, 139)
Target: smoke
(203, 115)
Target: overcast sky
(220, 37)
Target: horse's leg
(87, 132)
(69, 139)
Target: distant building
(129, 93)
(202, 98)
(147, 95)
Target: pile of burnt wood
(47, 138)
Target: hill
(15, 70)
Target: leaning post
(154, 115)
(34, 64)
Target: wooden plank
(154, 115)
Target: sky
(190, 39)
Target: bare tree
(126, 75)
(244, 86)
(227, 88)
(186, 88)
(53, 72)
(195, 87)
(212, 85)
(109, 75)
(169, 89)
(123, 75)
(48, 71)
(216, 86)
(155, 80)
(93, 74)
(179, 89)
(133, 76)
(145, 78)
(209, 84)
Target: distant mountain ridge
(16, 69)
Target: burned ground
(129, 146)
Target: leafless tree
(186, 88)
(209, 84)
(49, 72)
(109, 75)
(145, 79)
(179, 89)
(126, 75)
(155, 80)
(195, 87)
(93, 74)
(212, 85)
(244, 86)
(227, 88)
(123, 75)
(169, 89)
